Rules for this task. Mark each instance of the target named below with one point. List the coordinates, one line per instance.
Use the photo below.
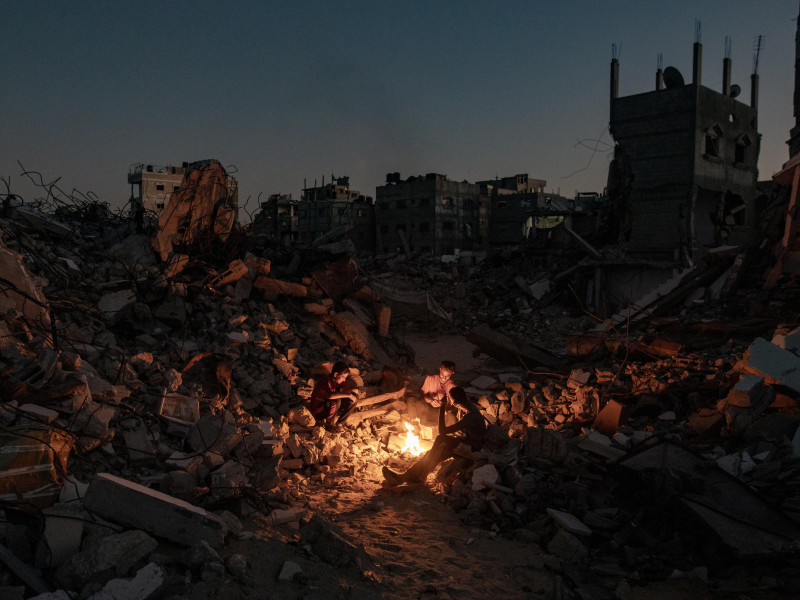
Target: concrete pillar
(726, 76)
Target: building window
(447, 202)
(159, 205)
(401, 204)
(448, 226)
(340, 212)
(175, 188)
(424, 201)
(160, 187)
(321, 211)
(384, 229)
(741, 149)
(423, 227)
(713, 134)
(360, 212)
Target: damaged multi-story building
(429, 214)
(508, 203)
(278, 218)
(335, 207)
(151, 185)
(684, 172)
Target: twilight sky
(282, 92)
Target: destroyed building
(335, 207)
(685, 167)
(152, 185)
(510, 200)
(278, 218)
(428, 214)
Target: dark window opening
(160, 187)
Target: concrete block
(773, 363)
(289, 571)
(578, 378)
(113, 556)
(63, 531)
(116, 305)
(569, 522)
(598, 443)
(235, 271)
(610, 417)
(139, 445)
(134, 505)
(788, 341)
(144, 585)
(38, 413)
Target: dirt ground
(432, 348)
(422, 549)
(419, 547)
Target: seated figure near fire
(470, 430)
(436, 387)
(333, 398)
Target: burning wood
(412, 446)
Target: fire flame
(412, 441)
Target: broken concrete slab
(116, 305)
(32, 464)
(113, 556)
(775, 364)
(501, 347)
(569, 522)
(134, 505)
(733, 512)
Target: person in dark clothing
(470, 430)
(333, 398)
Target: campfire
(412, 446)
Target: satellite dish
(673, 78)
(735, 90)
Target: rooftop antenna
(697, 31)
(660, 61)
(758, 43)
(727, 47)
(615, 51)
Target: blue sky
(282, 92)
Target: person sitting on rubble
(436, 387)
(333, 398)
(470, 430)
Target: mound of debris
(156, 435)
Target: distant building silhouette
(685, 171)
(335, 206)
(429, 214)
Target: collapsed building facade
(428, 214)
(334, 207)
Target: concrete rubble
(154, 415)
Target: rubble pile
(155, 431)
